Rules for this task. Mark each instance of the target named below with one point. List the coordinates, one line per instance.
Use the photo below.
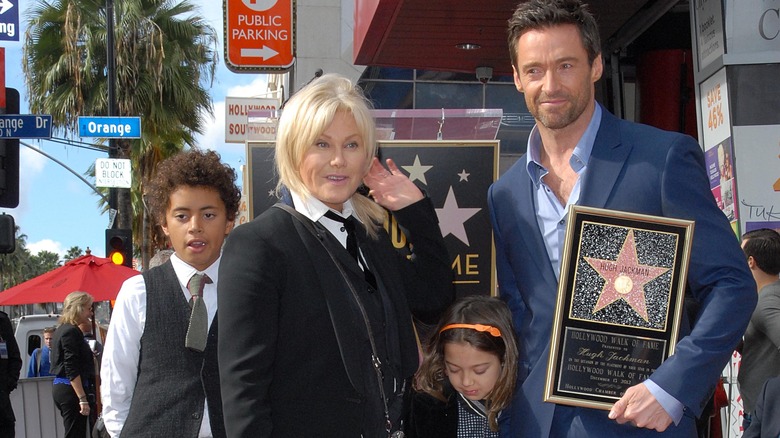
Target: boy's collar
(184, 270)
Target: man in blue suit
(39, 359)
(579, 153)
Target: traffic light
(9, 157)
(119, 247)
(7, 234)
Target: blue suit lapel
(606, 161)
(533, 239)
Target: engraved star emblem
(417, 170)
(464, 176)
(625, 278)
(451, 218)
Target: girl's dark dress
(430, 417)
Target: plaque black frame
(473, 262)
(599, 350)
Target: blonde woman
(72, 365)
(315, 338)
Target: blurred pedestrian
(761, 345)
(160, 257)
(10, 365)
(766, 415)
(72, 364)
(40, 362)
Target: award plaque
(620, 297)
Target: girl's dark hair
(193, 168)
(474, 309)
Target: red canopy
(94, 275)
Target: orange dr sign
(259, 35)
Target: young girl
(468, 372)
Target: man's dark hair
(193, 168)
(764, 246)
(540, 14)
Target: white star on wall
(464, 176)
(452, 218)
(417, 170)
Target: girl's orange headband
(495, 332)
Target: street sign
(261, 125)
(236, 111)
(9, 20)
(110, 127)
(113, 172)
(25, 126)
(259, 35)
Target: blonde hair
(305, 117)
(75, 303)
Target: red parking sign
(259, 35)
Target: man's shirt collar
(579, 158)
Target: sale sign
(714, 104)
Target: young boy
(159, 371)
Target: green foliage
(44, 262)
(166, 56)
(73, 252)
(15, 267)
(21, 265)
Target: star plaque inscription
(620, 296)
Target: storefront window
(396, 88)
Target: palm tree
(15, 267)
(72, 253)
(44, 262)
(166, 56)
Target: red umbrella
(94, 275)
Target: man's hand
(640, 408)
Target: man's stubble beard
(555, 121)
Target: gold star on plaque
(625, 278)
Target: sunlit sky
(56, 209)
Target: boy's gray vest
(173, 381)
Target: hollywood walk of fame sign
(620, 297)
(454, 174)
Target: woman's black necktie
(352, 244)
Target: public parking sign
(9, 20)
(110, 127)
(259, 35)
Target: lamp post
(111, 111)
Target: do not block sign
(113, 172)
